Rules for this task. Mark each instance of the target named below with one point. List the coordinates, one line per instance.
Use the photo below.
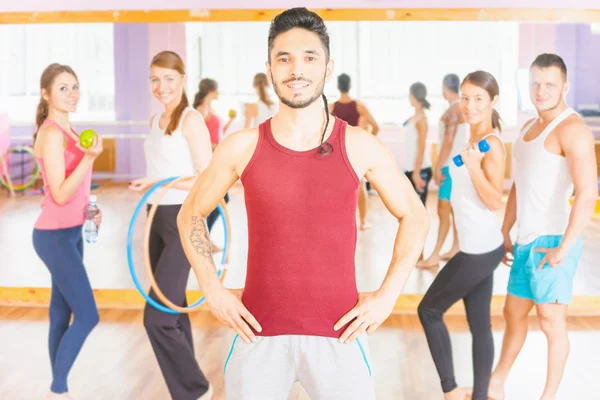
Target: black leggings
(426, 174)
(469, 277)
(171, 334)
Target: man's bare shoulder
(358, 139)
(356, 133)
(240, 141)
(573, 124)
(574, 136)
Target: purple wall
(131, 54)
(566, 47)
(131, 44)
(587, 66)
(581, 51)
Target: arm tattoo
(200, 238)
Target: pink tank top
(72, 213)
(215, 127)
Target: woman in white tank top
(418, 163)
(178, 145)
(468, 276)
(264, 108)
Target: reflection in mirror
(382, 59)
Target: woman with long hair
(469, 275)
(208, 91)
(264, 108)
(178, 145)
(57, 235)
(418, 163)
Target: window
(28, 49)
(394, 55)
(229, 52)
(382, 58)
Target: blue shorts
(549, 285)
(446, 188)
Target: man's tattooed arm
(200, 238)
(193, 231)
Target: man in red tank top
(299, 313)
(355, 113)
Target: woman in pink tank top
(57, 238)
(208, 90)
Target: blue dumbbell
(484, 147)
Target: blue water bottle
(90, 229)
(484, 147)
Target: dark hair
(204, 88)
(300, 17)
(486, 81)
(344, 83)
(548, 60)
(48, 77)
(419, 92)
(452, 82)
(171, 60)
(262, 83)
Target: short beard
(551, 108)
(303, 104)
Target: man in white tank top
(554, 154)
(453, 138)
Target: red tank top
(347, 111)
(301, 236)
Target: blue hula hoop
(136, 281)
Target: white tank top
(543, 185)
(264, 112)
(411, 145)
(479, 230)
(168, 156)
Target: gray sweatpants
(327, 369)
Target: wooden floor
(117, 362)
(106, 260)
